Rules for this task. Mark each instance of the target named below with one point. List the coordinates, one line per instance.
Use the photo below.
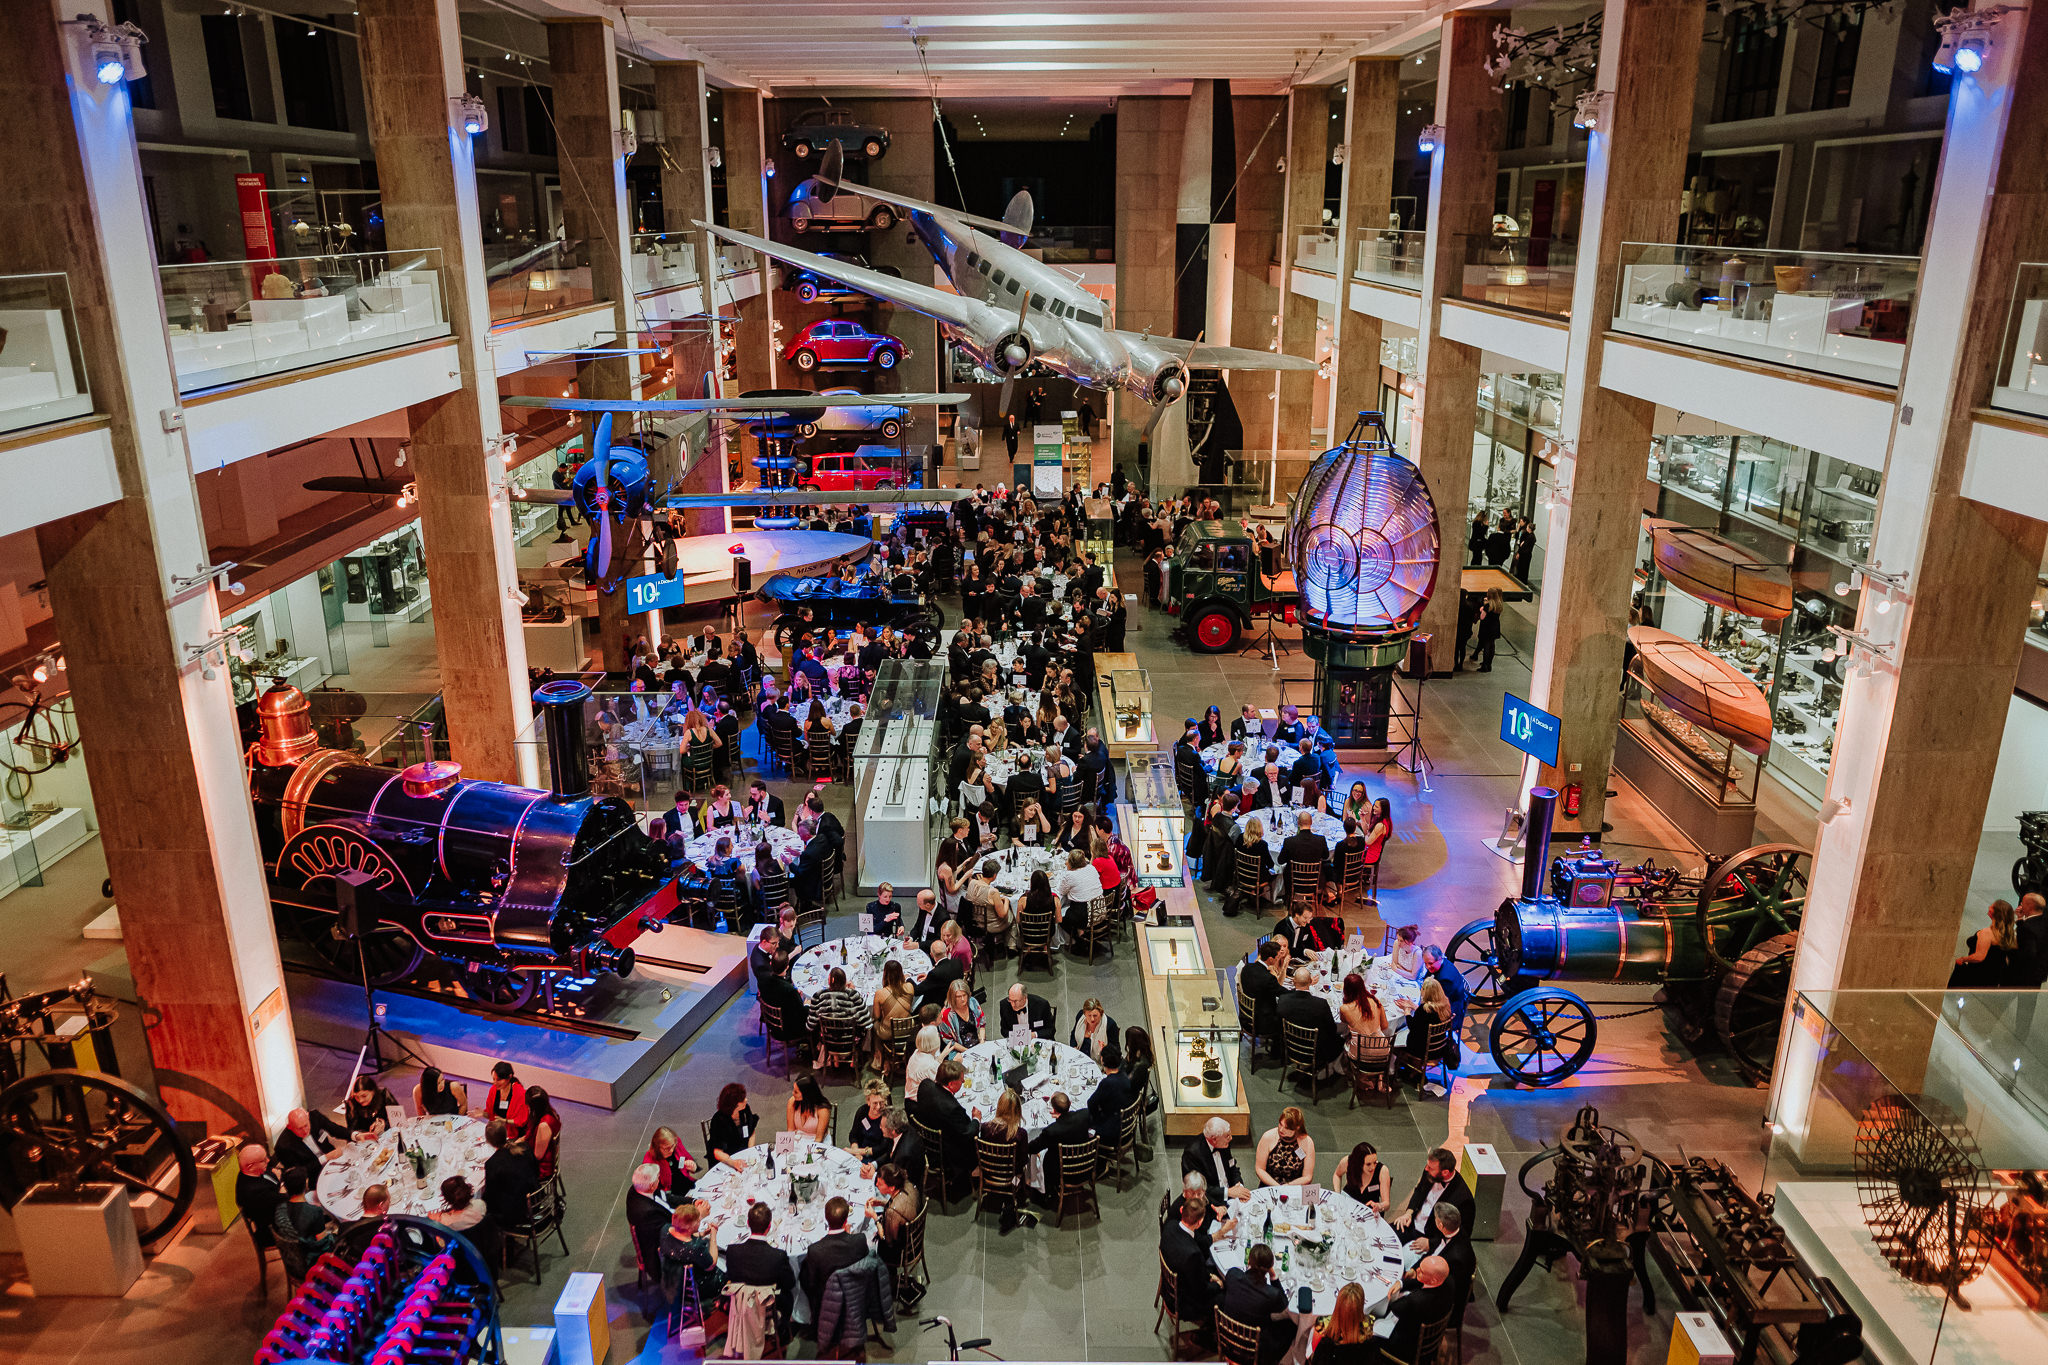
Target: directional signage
(1529, 729)
(651, 592)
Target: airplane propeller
(1016, 353)
(600, 460)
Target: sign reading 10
(1532, 730)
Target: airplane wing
(789, 403)
(778, 497)
(1244, 358)
(938, 303)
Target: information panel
(1530, 729)
(652, 591)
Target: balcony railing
(1393, 258)
(736, 260)
(1527, 274)
(237, 320)
(2023, 380)
(661, 260)
(529, 281)
(42, 373)
(1836, 314)
(1313, 251)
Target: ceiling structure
(1057, 48)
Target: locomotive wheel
(1749, 1007)
(498, 989)
(1543, 1036)
(1213, 631)
(60, 1125)
(1472, 953)
(1757, 895)
(392, 952)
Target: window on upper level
(1834, 65)
(309, 65)
(226, 67)
(1752, 56)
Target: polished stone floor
(1084, 1292)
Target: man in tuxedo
(1429, 1299)
(1440, 1183)
(1066, 737)
(648, 1211)
(510, 1176)
(258, 1193)
(2030, 967)
(1032, 1009)
(1030, 608)
(807, 874)
(1453, 982)
(1272, 787)
(964, 756)
(906, 1148)
(1112, 1095)
(1098, 781)
(763, 805)
(1184, 1246)
(778, 990)
(1305, 849)
(944, 972)
(1252, 1296)
(307, 1140)
(1068, 1126)
(1260, 984)
(1304, 1007)
(835, 1251)
(938, 1106)
(1447, 1239)
(1208, 1155)
(759, 1261)
(924, 925)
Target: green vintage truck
(1215, 584)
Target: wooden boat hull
(1699, 685)
(1717, 570)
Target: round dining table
(1323, 1245)
(1015, 866)
(1052, 1067)
(1015, 759)
(863, 957)
(1283, 823)
(1254, 756)
(784, 843)
(795, 1183)
(1399, 995)
(452, 1144)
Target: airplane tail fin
(831, 168)
(1017, 217)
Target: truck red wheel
(1214, 630)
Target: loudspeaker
(355, 896)
(742, 574)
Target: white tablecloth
(1254, 757)
(1399, 996)
(1059, 1068)
(1007, 764)
(862, 955)
(454, 1143)
(1358, 1241)
(1014, 878)
(731, 1193)
(1281, 825)
(784, 842)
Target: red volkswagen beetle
(837, 341)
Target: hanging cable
(917, 41)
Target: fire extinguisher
(1573, 792)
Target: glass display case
(895, 767)
(1157, 837)
(1199, 1043)
(1175, 950)
(386, 578)
(1148, 779)
(1715, 764)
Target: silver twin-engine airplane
(1012, 309)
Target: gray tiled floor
(1084, 1291)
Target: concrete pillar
(1148, 138)
(1261, 126)
(1635, 172)
(1461, 177)
(746, 209)
(585, 68)
(680, 95)
(426, 171)
(162, 749)
(1308, 154)
(1372, 109)
(1919, 737)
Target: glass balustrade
(1527, 274)
(42, 373)
(1392, 257)
(530, 281)
(661, 260)
(232, 321)
(1314, 251)
(1838, 314)
(2023, 379)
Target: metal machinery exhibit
(1362, 543)
(505, 887)
(394, 1291)
(1720, 945)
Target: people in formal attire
(1307, 850)
(1261, 985)
(648, 1211)
(368, 1108)
(258, 1192)
(1252, 1295)
(303, 1231)
(1094, 1029)
(1345, 1337)
(1302, 1006)
(436, 1094)
(1447, 1238)
(1208, 1155)
(1286, 1154)
(757, 1261)
(1069, 1127)
(1184, 1244)
(1994, 949)
(506, 1099)
(1365, 1178)
(307, 1141)
(731, 1130)
(1439, 1183)
(807, 1112)
(1414, 1307)
(543, 1132)
(2030, 964)
(1439, 969)
(1113, 1095)
(928, 1051)
(836, 1250)
(1018, 1004)
(687, 1244)
(939, 1108)
(511, 1175)
(676, 1173)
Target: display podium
(583, 1329)
(78, 1247)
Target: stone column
(1148, 138)
(426, 172)
(1372, 109)
(1461, 177)
(585, 69)
(160, 741)
(1261, 127)
(909, 169)
(1635, 172)
(680, 95)
(1308, 153)
(746, 210)
(1919, 736)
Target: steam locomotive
(380, 870)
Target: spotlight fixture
(768, 168)
(1835, 806)
(469, 113)
(1431, 138)
(113, 52)
(1966, 36)
(1592, 109)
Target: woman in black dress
(866, 1138)
(1211, 727)
(732, 1127)
(1989, 963)
(436, 1094)
(368, 1106)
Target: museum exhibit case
(2023, 376)
(1193, 1017)
(896, 769)
(1907, 1151)
(1123, 699)
(42, 375)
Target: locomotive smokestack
(1536, 842)
(561, 703)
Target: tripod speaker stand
(357, 899)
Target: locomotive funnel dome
(1363, 538)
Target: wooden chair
(840, 1043)
(810, 927)
(995, 1178)
(776, 892)
(835, 877)
(1370, 884)
(936, 1185)
(895, 1038)
(728, 903)
(1304, 885)
(772, 1034)
(908, 1266)
(265, 1239)
(1300, 1041)
(1250, 1036)
(815, 759)
(1077, 1177)
(1126, 1142)
(1370, 1062)
(1236, 1342)
(1436, 1043)
(1428, 1343)
(1248, 881)
(782, 749)
(1168, 1300)
(544, 1210)
(1099, 930)
(1034, 935)
(698, 768)
(1351, 880)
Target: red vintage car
(836, 341)
(845, 473)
